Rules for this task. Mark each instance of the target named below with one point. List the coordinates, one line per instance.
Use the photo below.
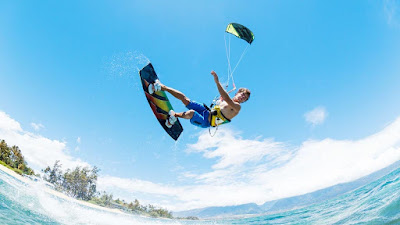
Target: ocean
(27, 203)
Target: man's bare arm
(224, 94)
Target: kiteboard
(158, 101)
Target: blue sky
(322, 74)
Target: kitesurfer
(201, 115)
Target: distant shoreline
(59, 194)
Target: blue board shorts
(200, 116)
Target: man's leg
(185, 115)
(195, 118)
(190, 114)
(177, 94)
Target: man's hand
(224, 94)
(215, 76)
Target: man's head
(242, 95)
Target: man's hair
(246, 91)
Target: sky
(324, 109)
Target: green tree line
(79, 183)
(12, 158)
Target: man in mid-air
(199, 114)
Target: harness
(217, 118)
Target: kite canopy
(241, 32)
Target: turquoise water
(375, 203)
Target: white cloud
(242, 171)
(392, 12)
(260, 170)
(39, 151)
(7, 124)
(78, 142)
(37, 126)
(316, 116)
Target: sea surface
(28, 203)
